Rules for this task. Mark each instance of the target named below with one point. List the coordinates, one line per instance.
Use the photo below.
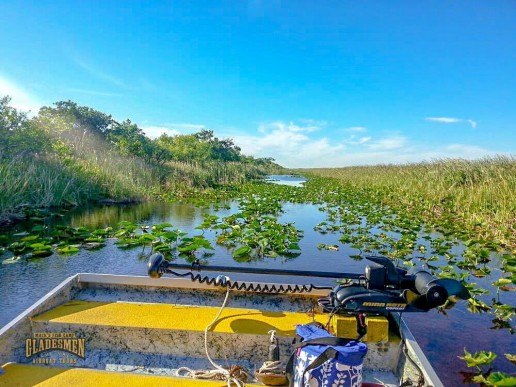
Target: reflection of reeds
(479, 195)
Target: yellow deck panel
(23, 375)
(177, 317)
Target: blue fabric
(344, 370)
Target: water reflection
(109, 215)
(292, 180)
(184, 215)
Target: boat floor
(177, 317)
(25, 375)
(135, 334)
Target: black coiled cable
(248, 286)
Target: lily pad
(242, 252)
(11, 260)
(68, 250)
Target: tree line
(69, 154)
(67, 127)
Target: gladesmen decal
(43, 342)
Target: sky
(309, 83)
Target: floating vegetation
(486, 377)
(322, 246)
(10, 261)
(68, 250)
(472, 199)
(254, 232)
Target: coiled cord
(248, 286)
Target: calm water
(441, 337)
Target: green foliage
(472, 199)
(18, 137)
(70, 154)
(202, 146)
(130, 140)
(242, 252)
(481, 358)
(498, 379)
(254, 232)
(477, 306)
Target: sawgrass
(52, 182)
(478, 196)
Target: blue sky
(310, 83)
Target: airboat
(189, 325)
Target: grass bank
(467, 197)
(69, 155)
(42, 182)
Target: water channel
(441, 337)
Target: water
(292, 180)
(441, 337)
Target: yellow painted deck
(23, 375)
(177, 317)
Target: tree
(224, 149)
(129, 139)
(75, 125)
(84, 117)
(185, 147)
(18, 136)
(10, 118)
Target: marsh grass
(49, 181)
(38, 183)
(475, 196)
(211, 174)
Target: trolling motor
(386, 288)
(382, 289)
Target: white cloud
(388, 143)
(452, 120)
(289, 144)
(353, 140)
(295, 148)
(171, 129)
(356, 129)
(411, 153)
(306, 126)
(444, 120)
(185, 127)
(472, 123)
(465, 151)
(156, 131)
(20, 98)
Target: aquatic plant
(254, 232)
(474, 199)
(480, 360)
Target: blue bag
(321, 359)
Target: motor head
(387, 288)
(383, 274)
(155, 266)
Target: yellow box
(377, 329)
(345, 326)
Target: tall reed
(55, 181)
(478, 196)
